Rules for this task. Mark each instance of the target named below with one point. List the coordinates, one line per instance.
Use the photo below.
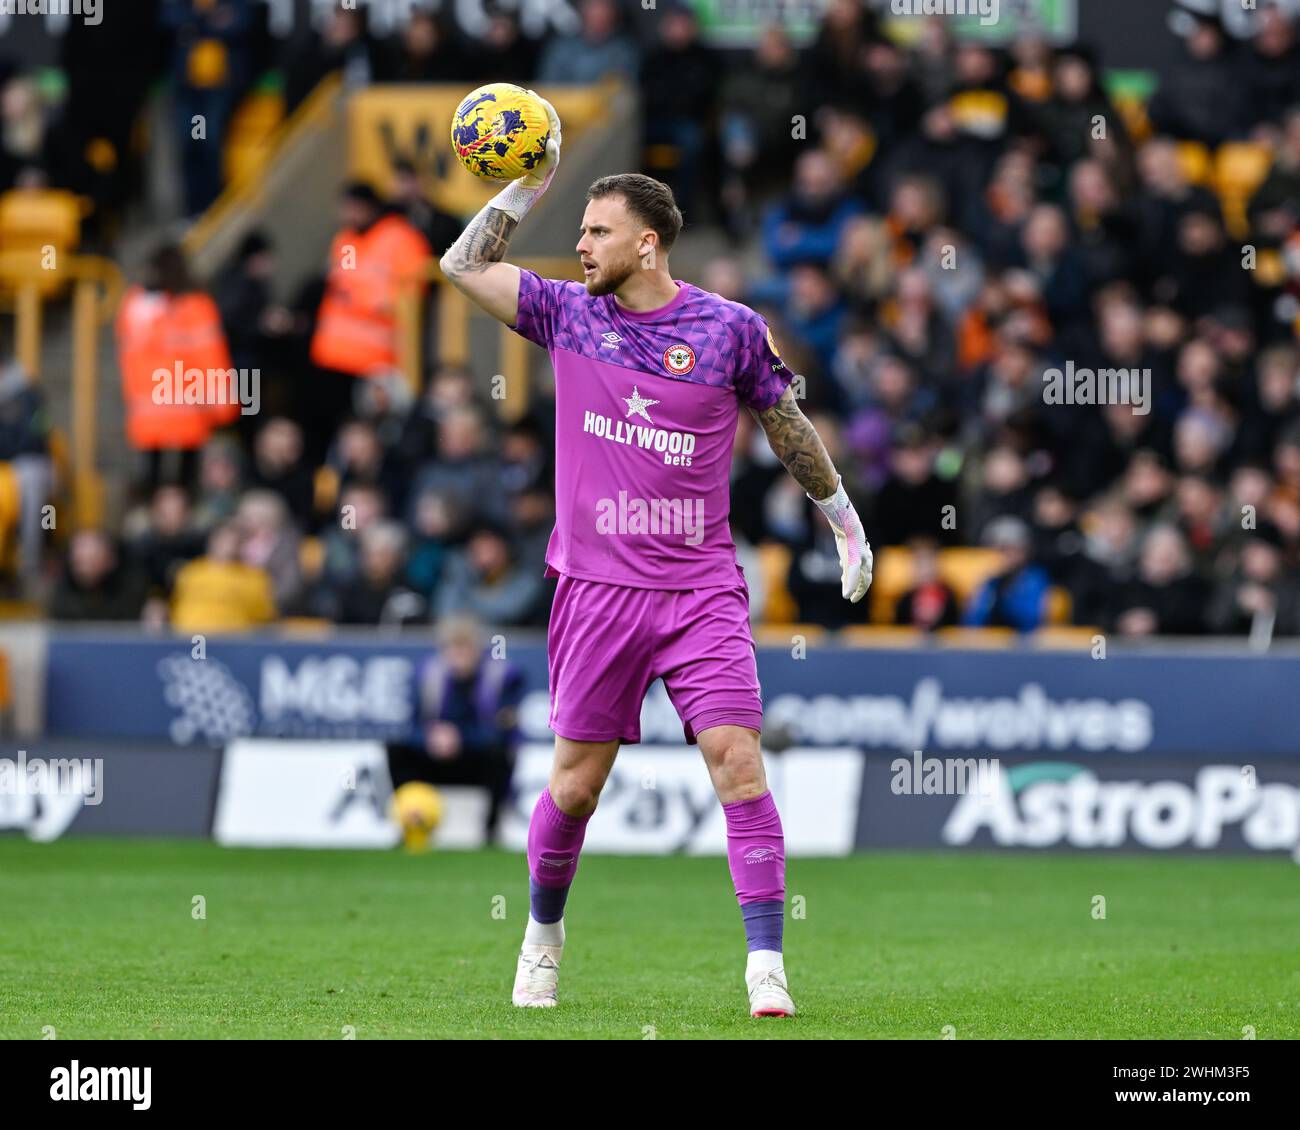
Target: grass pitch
(101, 939)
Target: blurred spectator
(95, 585)
(599, 49)
(279, 465)
(271, 543)
(25, 449)
(220, 480)
(678, 82)
(1016, 596)
(255, 324)
(220, 593)
(169, 540)
(758, 101)
(426, 52)
(210, 67)
(807, 227)
(930, 603)
(913, 501)
(437, 524)
(1165, 597)
(469, 707)
(464, 468)
(440, 229)
(342, 47)
(1261, 595)
(504, 52)
(377, 594)
(484, 580)
(1201, 99)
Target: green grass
(97, 939)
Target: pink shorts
(608, 643)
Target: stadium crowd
(930, 228)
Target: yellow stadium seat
(783, 635)
(9, 509)
(311, 558)
(774, 566)
(977, 637)
(966, 568)
(1058, 638)
(1060, 605)
(1240, 167)
(38, 226)
(891, 578)
(325, 489)
(1195, 161)
(887, 635)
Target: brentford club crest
(679, 359)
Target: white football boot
(765, 979)
(537, 976)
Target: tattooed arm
(791, 435)
(474, 263)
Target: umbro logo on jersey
(760, 855)
(610, 340)
(679, 359)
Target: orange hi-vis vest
(356, 327)
(172, 333)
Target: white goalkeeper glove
(520, 195)
(850, 542)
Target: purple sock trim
(546, 904)
(764, 923)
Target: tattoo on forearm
(484, 242)
(797, 444)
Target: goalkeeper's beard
(607, 281)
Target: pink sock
(756, 856)
(554, 841)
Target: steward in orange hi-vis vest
(374, 258)
(173, 327)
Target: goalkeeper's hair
(650, 200)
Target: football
(500, 131)
(417, 809)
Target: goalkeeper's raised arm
(474, 263)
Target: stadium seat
(311, 558)
(782, 635)
(774, 565)
(966, 568)
(1195, 161)
(1058, 638)
(884, 635)
(978, 637)
(9, 508)
(325, 489)
(963, 569)
(1240, 167)
(1060, 605)
(32, 220)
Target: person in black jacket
(94, 585)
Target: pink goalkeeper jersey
(645, 420)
